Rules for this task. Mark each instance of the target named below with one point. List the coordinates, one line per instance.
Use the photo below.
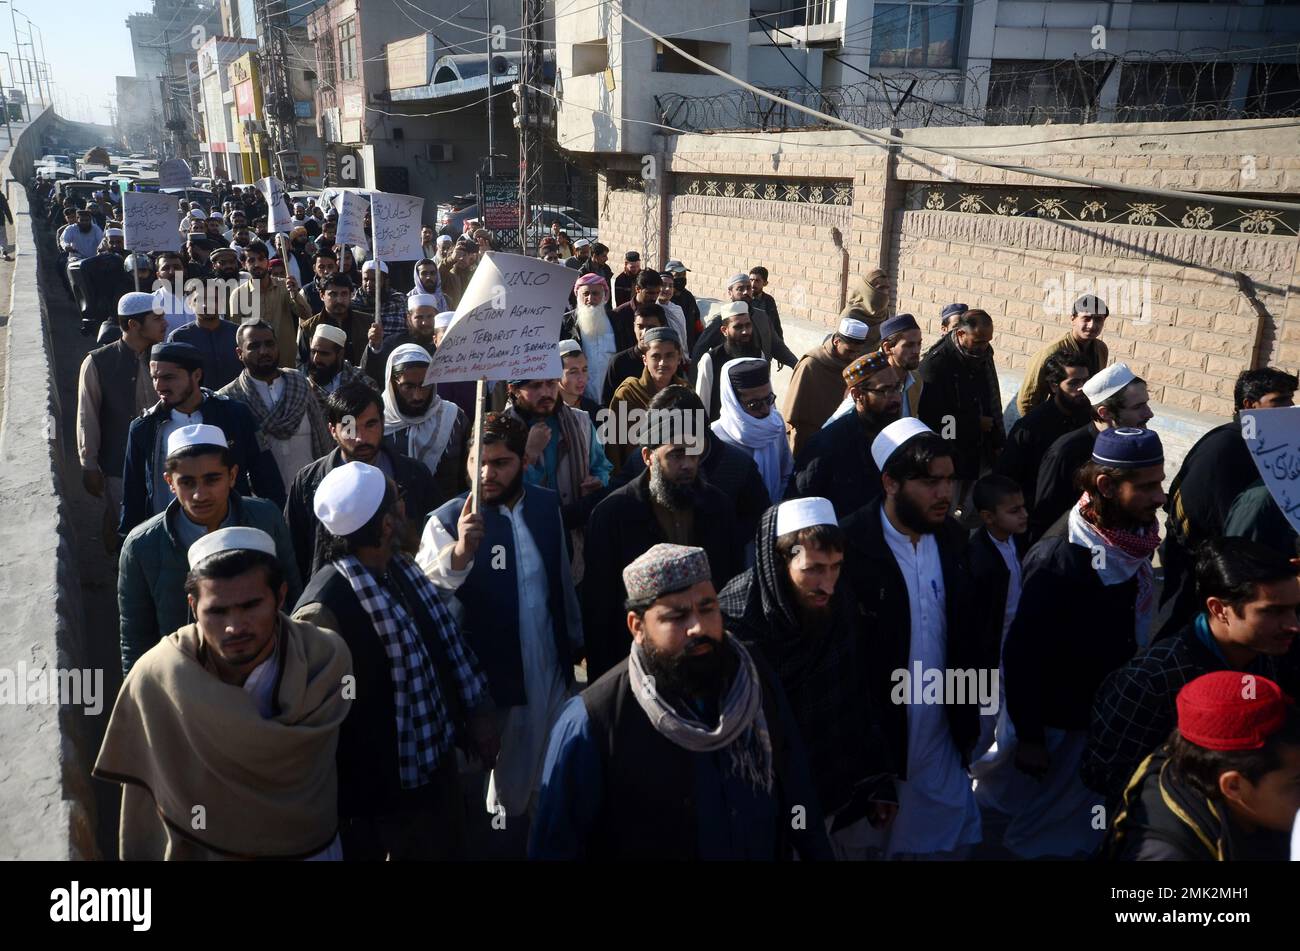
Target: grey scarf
(742, 727)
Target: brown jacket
(1034, 389)
(815, 391)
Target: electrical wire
(888, 139)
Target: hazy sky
(86, 45)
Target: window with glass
(921, 33)
(348, 49)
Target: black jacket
(1070, 631)
(369, 776)
(886, 621)
(623, 527)
(957, 386)
(413, 478)
(622, 365)
(837, 465)
(1133, 712)
(104, 282)
(992, 578)
(1215, 471)
(725, 467)
(1163, 819)
(1028, 442)
(1056, 492)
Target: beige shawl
(204, 776)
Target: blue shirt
(220, 365)
(542, 472)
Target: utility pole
(281, 119)
(532, 78)
(487, 46)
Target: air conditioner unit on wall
(441, 152)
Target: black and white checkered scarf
(425, 731)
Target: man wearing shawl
(427, 282)
(868, 302)
(224, 734)
(750, 422)
(686, 749)
(289, 420)
(794, 608)
(419, 424)
(817, 387)
(420, 691)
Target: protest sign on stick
(352, 219)
(150, 222)
(278, 215)
(507, 327)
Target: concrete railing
(47, 806)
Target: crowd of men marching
(870, 623)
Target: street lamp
(18, 51)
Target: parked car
(573, 222)
(451, 215)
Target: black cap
(182, 354)
(632, 256)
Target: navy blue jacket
(258, 474)
(490, 595)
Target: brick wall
(1178, 317)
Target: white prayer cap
(852, 329)
(335, 335)
(580, 243)
(419, 300)
(135, 303)
(443, 239)
(197, 214)
(114, 233)
(407, 354)
(568, 347)
(370, 266)
(737, 279)
(442, 320)
(200, 434)
(216, 216)
(349, 496)
(893, 436)
(804, 513)
(235, 538)
(733, 308)
(1107, 383)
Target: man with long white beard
(593, 329)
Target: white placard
(507, 326)
(175, 173)
(1273, 438)
(352, 224)
(278, 215)
(395, 226)
(151, 222)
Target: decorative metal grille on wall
(1098, 207)
(807, 192)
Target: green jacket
(151, 573)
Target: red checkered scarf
(1138, 544)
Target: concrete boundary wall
(47, 807)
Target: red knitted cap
(1229, 710)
